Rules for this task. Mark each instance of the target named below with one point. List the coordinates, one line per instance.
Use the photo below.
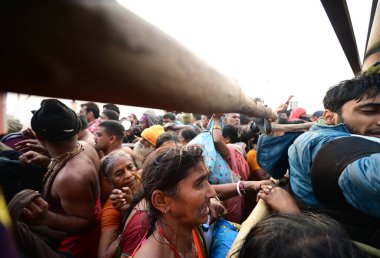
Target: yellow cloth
(5, 219)
(252, 162)
(152, 133)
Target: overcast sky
(272, 48)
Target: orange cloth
(252, 161)
(152, 133)
(109, 216)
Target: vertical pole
(3, 121)
(372, 53)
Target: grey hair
(108, 161)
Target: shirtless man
(70, 187)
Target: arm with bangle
(217, 136)
(226, 191)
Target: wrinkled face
(204, 121)
(141, 150)
(232, 119)
(191, 205)
(122, 174)
(362, 117)
(102, 139)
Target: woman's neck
(177, 234)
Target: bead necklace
(167, 240)
(55, 165)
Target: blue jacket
(359, 181)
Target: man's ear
(160, 201)
(330, 117)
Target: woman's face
(123, 174)
(191, 205)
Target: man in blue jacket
(352, 108)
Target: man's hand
(35, 212)
(121, 198)
(31, 145)
(32, 157)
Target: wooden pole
(372, 54)
(260, 211)
(100, 51)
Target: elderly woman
(120, 171)
(177, 191)
(178, 198)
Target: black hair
(91, 107)
(113, 107)
(286, 235)
(164, 169)
(113, 128)
(231, 132)
(188, 134)
(244, 119)
(54, 121)
(169, 115)
(358, 88)
(84, 123)
(112, 115)
(197, 116)
(167, 136)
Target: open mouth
(205, 210)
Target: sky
(273, 49)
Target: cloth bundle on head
(152, 133)
(187, 118)
(13, 124)
(54, 121)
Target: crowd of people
(95, 184)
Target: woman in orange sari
(176, 188)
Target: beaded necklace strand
(55, 165)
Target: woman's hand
(121, 198)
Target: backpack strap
(330, 162)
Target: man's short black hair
(112, 115)
(358, 88)
(169, 115)
(113, 107)
(167, 136)
(113, 128)
(91, 107)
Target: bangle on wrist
(217, 127)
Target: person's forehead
(101, 130)
(363, 103)
(232, 114)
